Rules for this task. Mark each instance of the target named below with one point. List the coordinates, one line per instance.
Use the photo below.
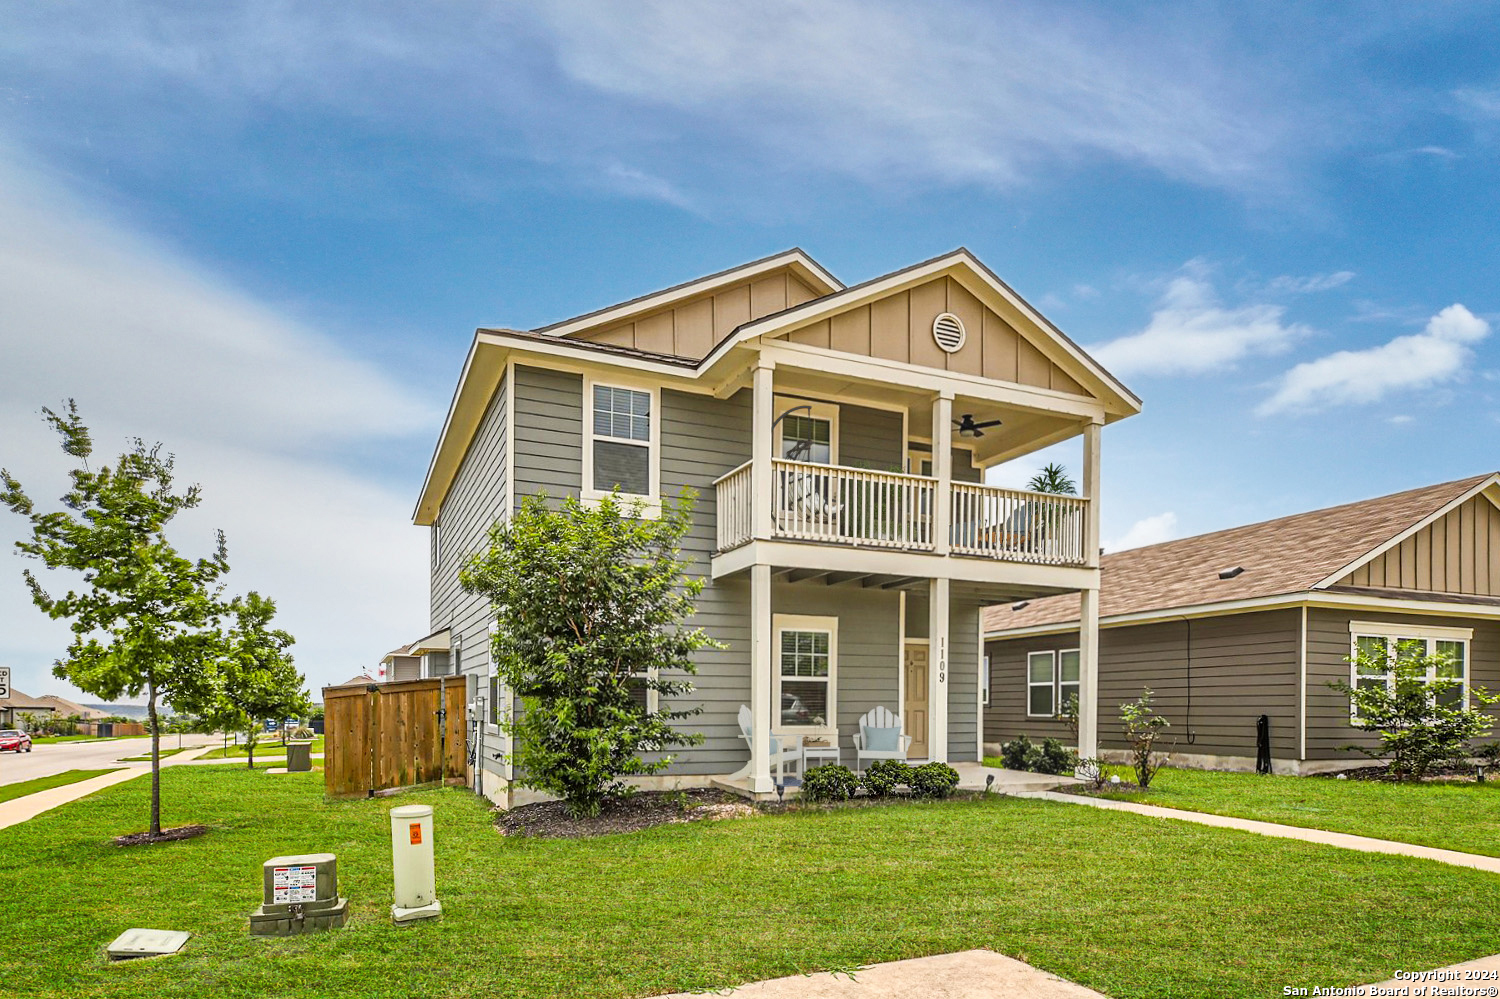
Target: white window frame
(984, 682)
(1429, 635)
(804, 622)
(1058, 699)
(653, 696)
(650, 501)
(1050, 683)
(782, 404)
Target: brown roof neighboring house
(19, 704)
(71, 709)
(1306, 551)
(356, 681)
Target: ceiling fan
(968, 428)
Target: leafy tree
(1420, 724)
(1053, 478)
(145, 617)
(260, 680)
(590, 605)
(1140, 725)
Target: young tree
(145, 619)
(1140, 724)
(1053, 478)
(1420, 723)
(260, 680)
(590, 605)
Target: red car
(10, 739)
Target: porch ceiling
(985, 593)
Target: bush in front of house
(884, 776)
(1019, 754)
(1055, 758)
(829, 782)
(932, 780)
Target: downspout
(1192, 736)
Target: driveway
(54, 758)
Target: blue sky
(264, 233)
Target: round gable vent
(948, 331)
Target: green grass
(25, 787)
(1133, 907)
(47, 739)
(268, 750)
(1462, 817)
(146, 757)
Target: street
(54, 758)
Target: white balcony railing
(1017, 525)
(855, 506)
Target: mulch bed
(167, 836)
(1101, 792)
(642, 810)
(1459, 774)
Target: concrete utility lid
(146, 943)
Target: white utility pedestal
(411, 856)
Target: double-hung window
(1377, 648)
(806, 673)
(808, 431)
(1051, 678)
(621, 445)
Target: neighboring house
(401, 664)
(1260, 619)
(65, 708)
(18, 704)
(836, 439)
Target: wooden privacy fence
(390, 735)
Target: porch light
(1231, 572)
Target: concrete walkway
(1345, 840)
(1393, 985)
(970, 974)
(18, 810)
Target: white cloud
(259, 409)
(1147, 531)
(1191, 332)
(1437, 355)
(1311, 283)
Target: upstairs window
(622, 442)
(807, 431)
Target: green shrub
(1140, 725)
(1019, 754)
(829, 782)
(884, 776)
(933, 780)
(1055, 758)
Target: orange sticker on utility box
(416, 833)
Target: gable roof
(68, 708)
(1293, 554)
(22, 702)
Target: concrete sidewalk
(18, 810)
(1346, 841)
(970, 974)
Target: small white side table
(821, 753)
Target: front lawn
(163, 754)
(25, 787)
(1452, 816)
(1130, 906)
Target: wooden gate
(389, 735)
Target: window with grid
(622, 440)
(807, 438)
(806, 678)
(1067, 677)
(984, 681)
(1376, 657)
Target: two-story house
(836, 438)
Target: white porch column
(1088, 619)
(937, 670)
(942, 469)
(762, 414)
(760, 678)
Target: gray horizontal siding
(548, 433)
(1243, 666)
(1328, 649)
(963, 679)
(871, 438)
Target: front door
(915, 722)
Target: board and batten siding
(1329, 646)
(1457, 553)
(1243, 666)
(474, 503)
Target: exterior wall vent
(948, 330)
(1231, 572)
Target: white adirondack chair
(880, 717)
(784, 748)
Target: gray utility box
(298, 757)
(301, 895)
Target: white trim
(1425, 522)
(884, 561)
(510, 439)
(1302, 687)
(901, 641)
(1341, 601)
(984, 682)
(651, 501)
(1388, 629)
(828, 412)
(809, 623)
(1050, 684)
(1394, 633)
